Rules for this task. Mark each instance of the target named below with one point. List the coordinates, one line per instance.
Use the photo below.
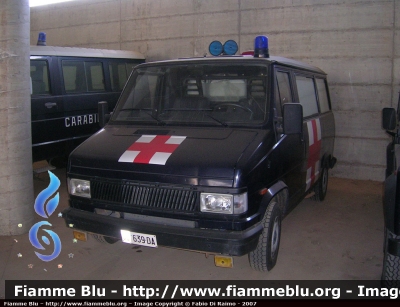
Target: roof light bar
(229, 48)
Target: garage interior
(356, 42)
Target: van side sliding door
(318, 125)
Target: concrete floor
(338, 239)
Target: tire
(103, 239)
(391, 265)
(264, 257)
(321, 187)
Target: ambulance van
(66, 85)
(206, 154)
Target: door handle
(50, 105)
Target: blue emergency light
(41, 39)
(215, 48)
(230, 47)
(261, 47)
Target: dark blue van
(206, 154)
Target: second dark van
(206, 154)
(66, 85)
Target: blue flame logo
(41, 208)
(45, 194)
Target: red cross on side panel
(152, 149)
(314, 152)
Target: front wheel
(264, 257)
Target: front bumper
(232, 243)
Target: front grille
(146, 195)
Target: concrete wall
(357, 42)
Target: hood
(196, 156)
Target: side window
(119, 73)
(74, 76)
(306, 92)
(322, 95)
(282, 90)
(80, 76)
(118, 76)
(40, 77)
(95, 76)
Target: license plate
(138, 238)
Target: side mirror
(292, 118)
(104, 117)
(389, 120)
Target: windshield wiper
(217, 120)
(146, 111)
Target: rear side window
(81, 76)
(40, 77)
(74, 76)
(322, 95)
(95, 76)
(119, 75)
(307, 97)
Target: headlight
(223, 203)
(79, 187)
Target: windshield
(195, 94)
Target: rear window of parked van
(306, 92)
(308, 98)
(322, 95)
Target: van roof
(85, 52)
(275, 59)
(296, 63)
